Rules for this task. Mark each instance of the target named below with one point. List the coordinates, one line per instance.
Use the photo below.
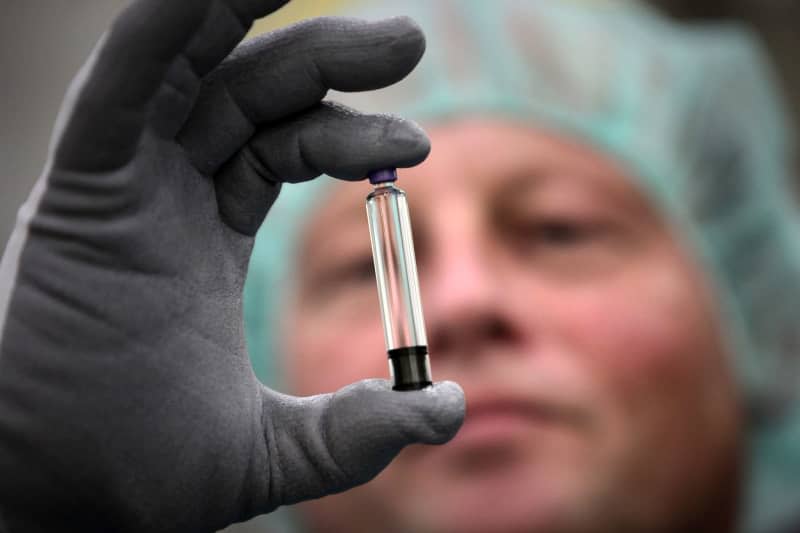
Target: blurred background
(44, 42)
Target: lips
(494, 420)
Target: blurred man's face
(598, 394)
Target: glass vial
(398, 284)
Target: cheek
(651, 347)
(649, 341)
(325, 353)
(639, 330)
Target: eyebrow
(625, 196)
(526, 180)
(347, 216)
(347, 210)
(520, 182)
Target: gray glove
(127, 401)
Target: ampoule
(398, 284)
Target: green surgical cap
(692, 110)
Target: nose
(463, 297)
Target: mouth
(492, 422)
(503, 435)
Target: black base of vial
(410, 368)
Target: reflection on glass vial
(398, 284)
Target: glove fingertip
(412, 36)
(448, 409)
(410, 142)
(430, 416)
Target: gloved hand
(127, 401)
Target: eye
(332, 280)
(354, 270)
(559, 232)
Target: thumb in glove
(329, 443)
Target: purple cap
(382, 175)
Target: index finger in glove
(149, 43)
(330, 443)
(276, 75)
(327, 139)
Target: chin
(489, 514)
(492, 497)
